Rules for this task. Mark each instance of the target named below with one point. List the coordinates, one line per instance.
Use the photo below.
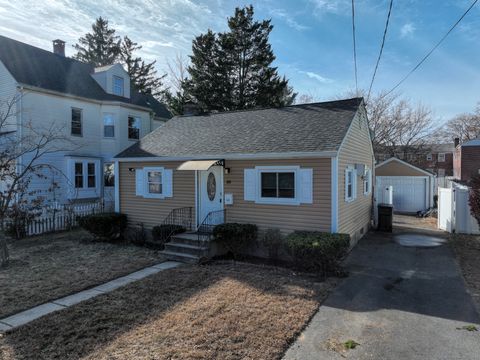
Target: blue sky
(311, 39)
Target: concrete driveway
(398, 303)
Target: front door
(211, 195)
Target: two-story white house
(94, 109)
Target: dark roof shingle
(33, 66)
(297, 128)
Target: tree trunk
(4, 256)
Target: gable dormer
(113, 79)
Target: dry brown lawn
(220, 311)
(51, 266)
(467, 251)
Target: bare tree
(464, 126)
(177, 72)
(22, 148)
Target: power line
(431, 51)
(381, 49)
(354, 46)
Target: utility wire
(355, 46)
(431, 51)
(381, 49)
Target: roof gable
(396, 167)
(306, 128)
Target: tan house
(300, 167)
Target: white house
(93, 108)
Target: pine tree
(100, 47)
(232, 70)
(143, 76)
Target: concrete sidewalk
(398, 303)
(26, 316)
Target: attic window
(118, 85)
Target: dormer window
(118, 85)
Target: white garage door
(409, 192)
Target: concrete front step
(189, 239)
(181, 257)
(173, 246)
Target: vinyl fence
(60, 217)
(454, 211)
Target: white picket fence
(61, 217)
(454, 211)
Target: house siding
(354, 217)
(8, 89)
(468, 162)
(287, 218)
(153, 212)
(395, 168)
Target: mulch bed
(47, 267)
(216, 311)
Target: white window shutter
(250, 184)
(346, 184)
(306, 186)
(139, 182)
(167, 183)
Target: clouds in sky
(288, 18)
(407, 30)
(315, 76)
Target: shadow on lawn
(89, 327)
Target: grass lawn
(51, 266)
(219, 311)
(467, 251)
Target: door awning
(200, 164)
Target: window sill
(154, 196)
(350, 200)
(276, 201)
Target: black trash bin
(385, 217)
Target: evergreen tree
(232, 70)
(143, 76)
(100, 47)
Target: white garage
(412, 186)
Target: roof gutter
(239, 156)
(99, 102)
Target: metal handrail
(213, 218)
(177, 217)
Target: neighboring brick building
(466, 161)
(436, 158)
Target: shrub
(161, 233)
(137, 234)
(273, 242)
(318, 252)
(105, 226)
(234, 237)
(474, 198)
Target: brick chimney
(59, 47)
(456, 141)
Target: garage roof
(396, 167)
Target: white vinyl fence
(60, 217)
(454, 211)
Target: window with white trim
(154, 181)
(429, 157)
(367, 182)
(134, 128)
(350, 184)
(278, 185)
(118, 85)
(109, 174)
(76, 122)
(108, 126)
(441, 157)
(84, 176)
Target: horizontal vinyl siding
(287, 218)
(152, 212)
(395, 168)
(354, 216)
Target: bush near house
(234, 237)
(474, 198)
(318, 252)
(105, 226)
(273, 242)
